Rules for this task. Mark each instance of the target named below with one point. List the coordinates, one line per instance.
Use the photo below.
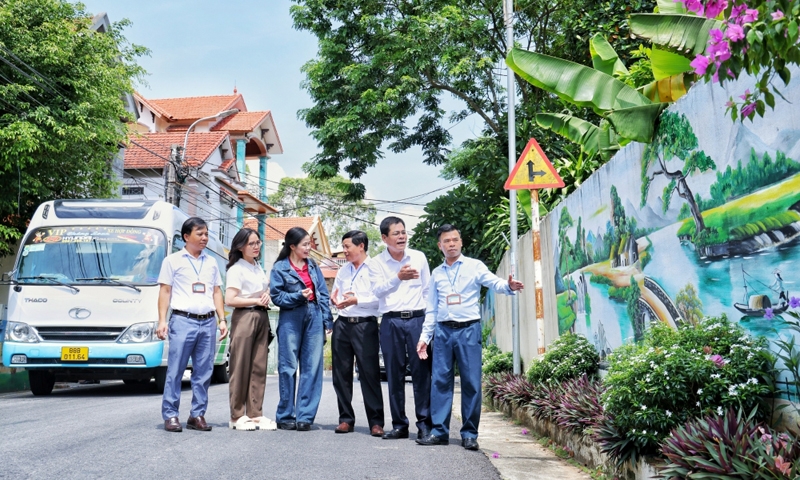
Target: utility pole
(172, 189)
(508, 14)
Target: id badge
(454, 299)
(198, 287)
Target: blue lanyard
(355, 275)
(455, 280)
(191, 262)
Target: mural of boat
(757, 304)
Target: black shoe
(469, 443)
(287, 425)
(303, 426)
(423, 432)
(395, 433)
(434, 440)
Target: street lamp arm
(220, 115)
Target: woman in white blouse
(248, 292)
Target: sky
(206, 47)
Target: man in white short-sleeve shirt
(191, 286)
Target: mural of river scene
(703, 221)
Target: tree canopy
(303, 197)
(61, 109)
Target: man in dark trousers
(191, 286)
(454, 320)
(355, 334)
(401, 277)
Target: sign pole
(508, 11)
(537, 270)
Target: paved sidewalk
(519, 457)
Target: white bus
(84, 293)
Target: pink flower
(700, 64)
(524, 431)
(747, 110)
(720, 52)
(736, 11)
(750, 15)
(718, 360)
(777, 15)
(783, 466)
(734, 32)
(715, 7)
(729, 104)
(716, 35)
(694, 6)
(495, 455)
(746, 94)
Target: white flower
(669, 414)
(699, 391)
(754, 381)
(715, 375)
(698, 404)
(633, 430)
(719, 411)
(644, 432)
(732, 390)
(644, 407)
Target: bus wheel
(42, 382)
(161, 379)
(221, 373)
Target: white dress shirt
(181, 270)
(359, 282)
(249, 279)
(397, 295)
(464, 277)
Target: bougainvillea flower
(715, 7)
(715, 35)
(736, 11)
(750, 15)
(777, 15)
(718, 360)
(495, 455)
(734, 32)
(700, 64)
(524, 431)
(746, 94)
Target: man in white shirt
(400, 278)
(355, 334)
(453, 319)
(191, 286)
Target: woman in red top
(298, 288)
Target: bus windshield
(83, 254)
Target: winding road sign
(533, 170)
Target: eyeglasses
(255, 244)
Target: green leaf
(604, 57)
(574, 129)
(666, 64)
(669, 6)
(684, 33)
(573, 82)
(636, 123)
(665, 90)
(524, 202)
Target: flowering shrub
(730, 446)
(495, 361)
(758, 37)
(676, 375)
(568, 357)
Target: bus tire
(221, 373)
(161, 379)
(42, 382)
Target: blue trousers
(399, 338)
(195, 339)
(300, 342)
(462, 345)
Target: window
(223, 231)
(133, 190)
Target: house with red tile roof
(213, 180)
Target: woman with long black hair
(247, 292)
(298, 288)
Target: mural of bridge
(660, 305)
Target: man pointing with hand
(453, 319)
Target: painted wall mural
(703, 221)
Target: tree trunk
(686, 193)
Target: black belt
(254, 307)
(194, 316)
(357, 319)
(405, 314)
(453, 324)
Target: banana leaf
(604, 57)
(636, 123)
(574, 129)
(666, 90)
(684, 33)
(666, 64)
(574, 83)
(524, 202)
(670, 6)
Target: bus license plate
(74, 354)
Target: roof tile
(151, 150)
(192, 108)
(241, 122)
(277, 227)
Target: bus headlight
(139, 333)
(21, 332)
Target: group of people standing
(429, 321)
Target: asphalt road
(114, 430)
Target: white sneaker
(264, 423)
